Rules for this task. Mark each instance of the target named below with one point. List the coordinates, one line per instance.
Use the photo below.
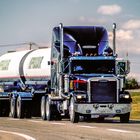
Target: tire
(28, 109)
(125, 118)
(100, 119)
(74, 116)
(48, 109)
(87, 118)
(20, 108)
(1, 109)
(6, 112)
(43, 108)
(28, 115)
(13, 108)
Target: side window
(54, 53)
(56, 34)
(4, 64)
(35, 63)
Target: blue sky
(32, 21)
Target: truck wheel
(0, 109)
(125, 118)
(87, 117)
(13, 108)
(20, 111)
(74, 116)
(43, 108)
(100, 119)
(48, 109)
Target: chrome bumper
(102, 109)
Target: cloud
(132, 24)
(125, 35)
(122, 35)
(109, 9)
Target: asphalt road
(36, 129)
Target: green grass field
(135, 113)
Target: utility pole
(30, 45)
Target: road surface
(36, 129)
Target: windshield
(93, 66)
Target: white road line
(119, 130)
(13, 119)
(58, 123)
(47, 122)
(86, 126)
(35, 121)
(19, 134)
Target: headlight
(126, 96)
(81, 96)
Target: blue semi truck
(80, 75)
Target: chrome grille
(103, 91)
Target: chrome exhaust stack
(61, 61)
(114, 39)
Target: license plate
(104, 111)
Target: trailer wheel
(20, 108)
(74, 116)
(28, 109)
(43, 108)
(48, 109)
(13, 108)
(4, 108)
(125, 118)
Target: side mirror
(50, 62)
(57, 43)
(123, 67)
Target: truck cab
(87, 79)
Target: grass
(135, 113)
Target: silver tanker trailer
(24, 78)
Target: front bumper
(102, 109)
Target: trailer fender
(25, 95)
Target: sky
(24, 21)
